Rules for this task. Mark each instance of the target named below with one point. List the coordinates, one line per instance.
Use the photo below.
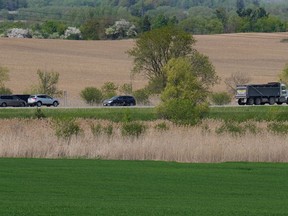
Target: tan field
(92, 63)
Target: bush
(109, 90)
(161, 126)
(4, 90)
(134, 129)
(142, 96)
(91, 95)
(39, 114)
(182, 111)
(98, 129)
(221, 98)
(279, 128)
(66, 128)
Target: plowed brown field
(91, 63)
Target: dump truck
(259, 94)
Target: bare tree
(236, 79)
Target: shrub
(39, 114)
(184, 112)
(232, 128)
(66, 128)
(91, 95)
(220, 98)
(126, 88)
(108, 130)
(142, 96)
(109, 90)
(278, 128)
(161, 126)
(4, 90)
(96, 129)
(133, 129)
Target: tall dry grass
(37, 139)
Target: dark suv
(120, 101)
(11, 100)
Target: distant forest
(114, 19)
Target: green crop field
(97, 187)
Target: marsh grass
(33, 138)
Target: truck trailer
(259, 94)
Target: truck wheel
(240, 102)
(271, 100)
(250, 101)
(257, 101)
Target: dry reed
(37, 139)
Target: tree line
(129, 18)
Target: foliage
(4, 75)
(155, 48)
(50, 27)
(66, 128)
(91, 95)
(39, 114)
(98, 129)
(109, 89)
(142, 96)
(283, 76)
(220, 98)
(279, 128)
(184, 97)
(48, 83)
(182, 111)
(161, 126)
(126, 88)
(121, 29)
(94, 16)
(133, 129)
(5, 90)
(72, 33)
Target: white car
(42, 99)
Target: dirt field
(92, 63)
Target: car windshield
(113, 98)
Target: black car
(120, 101)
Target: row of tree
(114, 19)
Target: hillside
(91, 63)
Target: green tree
(91, 95)
(91, 30)
(155, 48)
(184, 98)
(48, 83)
(109, 89)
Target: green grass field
(97, 187)
(239, 113)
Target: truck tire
(240, 102)
(257, 101)
(250, 101)
(271, 100)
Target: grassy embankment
(95, 187)
(259, 113)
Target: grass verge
(240, 114)
(96, 187)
